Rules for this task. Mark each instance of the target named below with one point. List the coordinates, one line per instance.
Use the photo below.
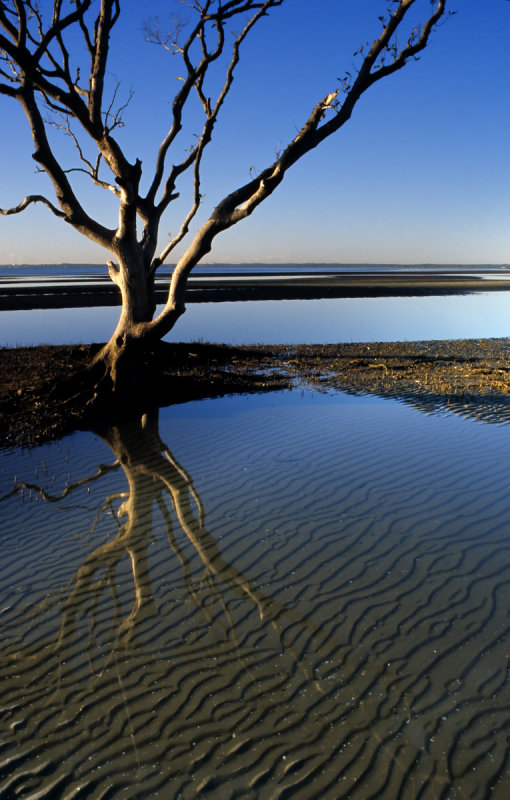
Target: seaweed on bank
(43, 389)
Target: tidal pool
(292, 595)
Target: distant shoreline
(280, 265)
(80, 292)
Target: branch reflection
(156, 482)
(185, 657)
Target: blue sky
(420, 174)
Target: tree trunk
(124, 355)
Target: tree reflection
(156, 481)
(163, 668)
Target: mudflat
(75, 291)
(467, 374)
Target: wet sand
(379, 660)
(307, 600)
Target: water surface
(481, 315)
(293, 595)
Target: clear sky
(420, 174)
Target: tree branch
(195, 157)
(108, 15)
(29, 199)
(91, 170)
(60, 24)
(73, 211)
(240, 203)
(40, 61)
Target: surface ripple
(314, 605)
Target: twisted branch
(29, 199)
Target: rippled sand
(305, 597)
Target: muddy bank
(445, 372)
(76, 292)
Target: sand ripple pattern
(340, 628)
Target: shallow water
(380, 319)
(304, 597)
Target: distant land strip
(85, 293)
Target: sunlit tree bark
(39, 69)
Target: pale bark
(36, 69)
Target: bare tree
(40, 68)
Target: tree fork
(37, 70)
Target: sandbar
(81, 293)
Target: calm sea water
(292, 595)
(481, 315)
(100, 270)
